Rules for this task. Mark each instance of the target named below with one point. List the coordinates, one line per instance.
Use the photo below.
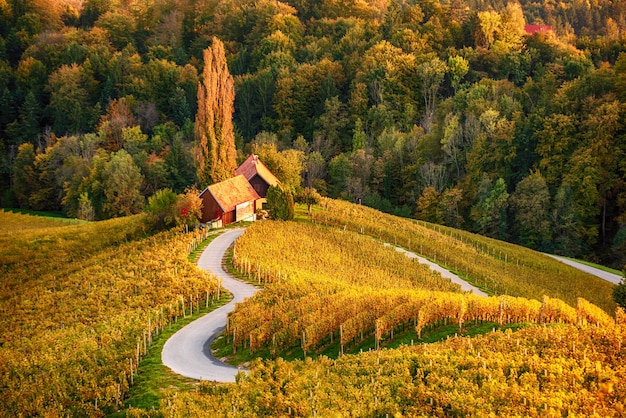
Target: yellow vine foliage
(79, 303)
(537, 371)
(328, 283)
(495, 266)
(324, 283)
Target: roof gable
(232, 192)
(253, 166)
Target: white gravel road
(610, 277)
(188, 352)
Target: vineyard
(80, 305)
(495, 266)
(325, 284)
(538, 371)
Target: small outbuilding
(229, 201)
(533, 29)
(259, 176)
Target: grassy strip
(462, 275)
(432, 334)
(194, 256)
(243, 277)
(57, 216)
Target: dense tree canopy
(449, 111)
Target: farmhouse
(229, 201)
(259, 176)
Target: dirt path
(444, 273)
(188, 352)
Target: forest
(445, 111)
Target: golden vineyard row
(537, 371)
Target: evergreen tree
(24, 175)
(280, 203)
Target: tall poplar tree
(215, 152)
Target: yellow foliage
(75, 301)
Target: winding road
(188, 351)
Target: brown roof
(253, 166)
(232, 192)
(532, 29)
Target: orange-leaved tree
(215, 151)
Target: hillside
(79, 307)
(340, 298)
(537, 371)
(495, 266)
(82, 303)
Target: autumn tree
(489, 27)
(215, 137)
(315, 170)
(118, 117)
(432, 74)
(531, 205)
(122, 180)
(453, 142)
(309, 197)
(428, 208)
(160, 210)
(449, 206)
(85, 208)
(188, 208)
(286, 165)
(70, 88)
(458, 68)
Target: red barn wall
(210, 209)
